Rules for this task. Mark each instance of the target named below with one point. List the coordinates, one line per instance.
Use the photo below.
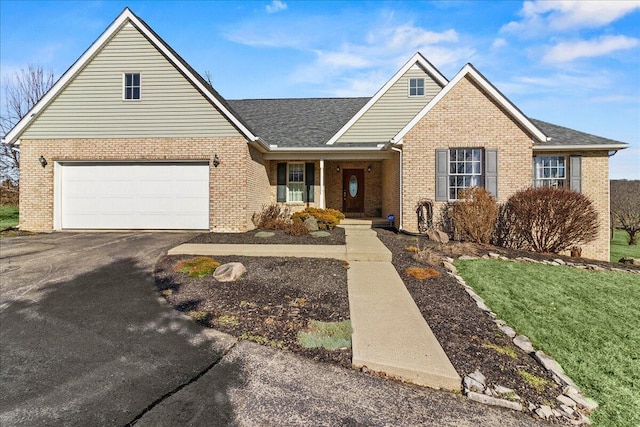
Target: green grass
(328, 335)
(8, 217)
(620, 248)
(589, 321)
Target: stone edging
(574, 406)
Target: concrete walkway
(389, 333)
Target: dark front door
(353, 190)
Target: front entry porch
(354, 188)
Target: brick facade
(234, 185)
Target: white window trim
(449, 174)
(542, 180)
(304, 184)
(124, 79)
(424, 91)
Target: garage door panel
(135, 196)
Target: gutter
(584, 147)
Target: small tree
(21, 92)
(473, 217)
(549, 219)
(625, 208)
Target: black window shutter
(491, 172)
(575, 171)
(442, 175)
(309, 179)
(282, 183)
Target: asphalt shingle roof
(561, 135)
(297, 122)
(311, 122)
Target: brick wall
(258, 186)
(595, 185)
(228, 182)
(465, 117)
(373, 185)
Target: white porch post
(322, 201)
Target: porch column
(322, 201)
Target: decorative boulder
(630, 261)
(311, 223)
(229, 272)
(438, 236)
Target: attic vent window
(131, 86)
(416, 87)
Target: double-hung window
(131, 86)
(465, 170)
(550, 171)
(295, 183)
(416, 87)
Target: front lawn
(588, 321)
(620, 247)
(8, 217)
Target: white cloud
(276, 6)
(498, 43)
(571, 50)
(542, 16)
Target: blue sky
(575, 64)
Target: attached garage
(105, 195)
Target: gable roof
(561, 137)
(297, 122)
(128, 16)
(415, 59)
(469, 71)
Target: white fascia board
(585, 147)
(341, 153)
(468, 70)
(415, 59)
(125, 16)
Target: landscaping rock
(489, 400)
(494, 255)
(523, 343)
(589, 404)
(229, 272)
(565, 400)
(508, 331)
(467, 258)
(503, 390)
(311, 223)
(559, 261)
(452, 268)
(567, 410)
(548, 362)
(544, 412)
(438, 236)
(320, 233)
(629, 260)
(265, 234)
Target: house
(131, 137)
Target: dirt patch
(469, 337)
(270, 304)
(14, 232)
(336, 237)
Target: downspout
(401, 195)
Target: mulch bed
(466, 333)
(280, 237)
(273, 301)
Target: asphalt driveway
(85, 340)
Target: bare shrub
(296, 228)
(625, 208)
(473, 217)
(272, 216)
(549, 220)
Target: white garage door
(172, 196)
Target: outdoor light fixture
(369, 168)
(338, 169)
(43, 161)
(216, 161)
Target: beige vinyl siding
(92, 104)
(393, 110)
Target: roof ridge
(299, 98)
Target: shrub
(272, 216)
(548, 220)
(473, 218)
(625, 208)
(327, 218)
(296, 228)
(422, 273)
